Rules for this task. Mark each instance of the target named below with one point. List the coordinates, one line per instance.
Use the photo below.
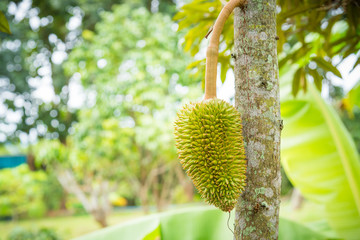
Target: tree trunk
(257, 99)
(185, 182)
(144, 199)
(97, 204)
(63, 201)
(167, 184)
(100, 216)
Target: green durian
(208, 136)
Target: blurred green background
(88, 94)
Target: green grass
(68, 227)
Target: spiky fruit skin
(210, 145)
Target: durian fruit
(208, 135)
(210, 145)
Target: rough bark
(257, 99)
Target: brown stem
(213, 48)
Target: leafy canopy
(32, 58)
(310, 34)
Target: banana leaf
(320, 157)
(192, 223)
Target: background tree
(132, 72)
(89, 174)
(131, 63)
(33, 87)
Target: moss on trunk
(257, 98)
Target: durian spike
(212, 52)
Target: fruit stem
(212, 52)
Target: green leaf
(295, 56)
(195, 223)
(4, 25)
(296, 82)
(327, 66)
(353, 16)
(353, 96)
(224, 61)
(137, 229)
(154, 235)
(291, 230)
(356, 64)
(311, 215)
(184, 24)
(303, 81)
(198, 6)
(179, 15)
(224, 68)
(350, 48)
(297, 10)
(320, 158)
(317, 78)
(191, 223)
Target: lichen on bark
(257, 99)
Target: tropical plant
(191, 223)
(320, 157)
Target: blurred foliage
(134, 71)
(43, 34)
(21, 193)
(352, 124)
(20, 233)
(53, 193)
(28, 194)
(310, 35)
(134, 63)
(320, 157)
(26, 57)
(50, 153)
(76, 207)
(348, 107)
(352, 100)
